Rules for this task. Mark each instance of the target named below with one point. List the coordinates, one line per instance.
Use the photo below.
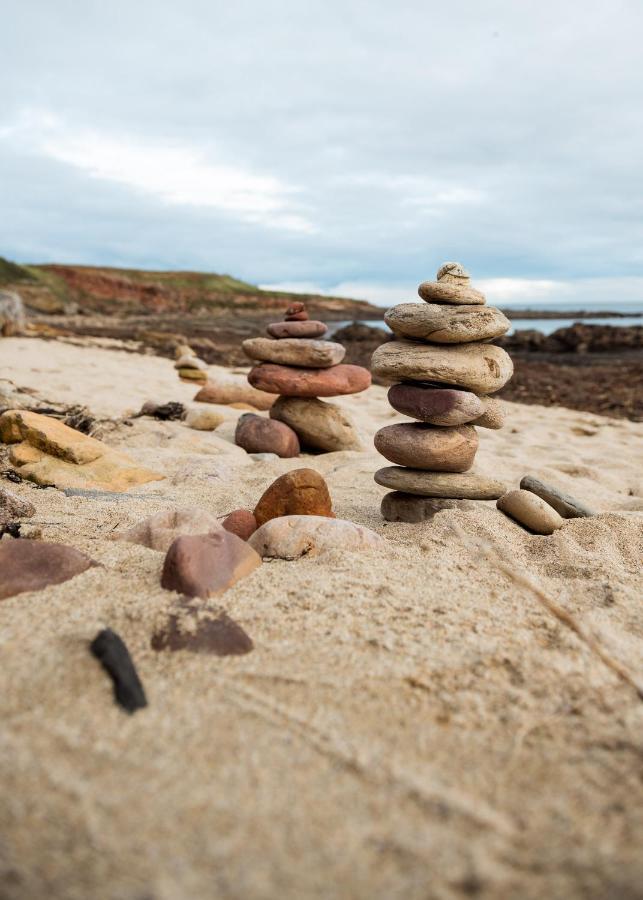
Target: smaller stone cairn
(444, 368)
(189, 366)
(296, 363)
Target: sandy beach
(410, 723)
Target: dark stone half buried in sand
(565, 505)
(306, 352)
(399, 507)
(483, 368)
(29, 565)
(444, 292)
(256, 434)
(430, 447)
(207, 565)
(466, 486)
(201, 632)
(444, 324)
(300, 492)
(296, 382)
(319, 424)
(435, 405)
(310, 329)
(531, 511)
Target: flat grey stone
(566, 506)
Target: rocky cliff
(66, 289)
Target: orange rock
(300, 492)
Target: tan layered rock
(48, 452)
(482, 368)
(467, 486)
(443, 324)
(305, 352)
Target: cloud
(174, 173)
(330, 143)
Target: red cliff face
(121, 292)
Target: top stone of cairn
(452, 286)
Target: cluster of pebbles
(444, 368)
(298, 364)
(189, 366)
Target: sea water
(546, 326)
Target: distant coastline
(568, 314)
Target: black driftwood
(113, 655)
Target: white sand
(410, 724)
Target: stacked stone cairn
(444, 369)
(189, 366)
(296, 363)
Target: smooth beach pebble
(300, 492)
(444, 324)
(293, 536)
(206, 565)
(483, 368)
(298, 382)
(421, 446)
(304, 352)
(28, 565)
(158, 531)
(232, 389)
(467, 486)
(445, 292)
(203, 419)
(257, 434)
(529, 510)
(310, 329)
(240, 522)
(453, 273)
(192, 374)
(318, 424)
(436, 406)
(399, 507)
(565, 505)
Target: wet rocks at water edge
(442, 367)
(295, 363)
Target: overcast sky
(343, 145)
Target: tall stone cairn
(296, 363)
(445, 369)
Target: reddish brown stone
(300, 492)
(240, 522)
(27, 565)
(296, 312)
(259, 435)
(435, 449)
(310, 329)
(437, 406)
(218, 635)
(207, 565)
(291, 381)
